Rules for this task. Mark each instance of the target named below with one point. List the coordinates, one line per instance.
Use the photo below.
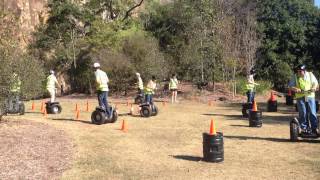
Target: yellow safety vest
(102, 80)
(173, 83)
(15, 87)
(304, 85)
(51, 81)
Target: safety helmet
(301, 67)
(51, 71)
(96, 65)
(138, 74)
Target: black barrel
(245, 109)
(289, 100)
(272, 106)
(255, 118)
(213, 147)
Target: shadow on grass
(186, 157)
(236, 125)
(70, 119)
(271, 139)
(230, 117)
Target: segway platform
(147, 110)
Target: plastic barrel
(213, 147)
(272, 106)
(245, 108)
(255, 118)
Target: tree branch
(131, 9)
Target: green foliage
(263, 86)
(288, 28)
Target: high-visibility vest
(51, 82)
(102, 80)
(149, 89)
(304, 85)
(173, 83)
(250, 86)
(16, 85)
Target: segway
(246, 107)
(53, 107)
(295, 128)
(13, 105)
(139, 98)
(100, 116)
(147, 109)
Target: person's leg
(100, 99)
(302, 112)
(147, 98)
(105, 100)
(175, 95)
(248, 96)
(51, 92)
(313, 113)
(172, 96)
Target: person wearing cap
(149, 90)
(304, 84)
(102, 87)
(139, 83)
(173, 87)
(250, 86)
(51, 85)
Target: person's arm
(292, 84)
(314, 82)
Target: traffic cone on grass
(212, 128)
(124, 127)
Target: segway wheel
(55, 109)
(98, 117)
(294, 132)
(21, 109)
(145, 111)
(114, 116)
(155, 110)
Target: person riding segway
(103, 113)
(149, 108)
(13, 105)
(140, 96)
(251, 88)
(304, 84)
(52, 107)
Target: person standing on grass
(173, 86)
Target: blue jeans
(103, 101)
(304, 123)
(250, 96)
(148, 98)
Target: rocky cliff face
(29, 12)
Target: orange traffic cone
(124, 126)
(33, 106)
(78, 115)
(42, 107)
(87, 106)
(289, 92)
(212, 128)
(77, 108)
(273, 97)
(210, 103)
(254, 107)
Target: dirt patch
(31, 150)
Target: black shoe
(315, 131)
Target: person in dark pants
(102, 87)
(250, 86)
(304, 84)
(149, 90)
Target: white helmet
(96, 65)
(138, 74)
(51, 71)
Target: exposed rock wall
(29, 12)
